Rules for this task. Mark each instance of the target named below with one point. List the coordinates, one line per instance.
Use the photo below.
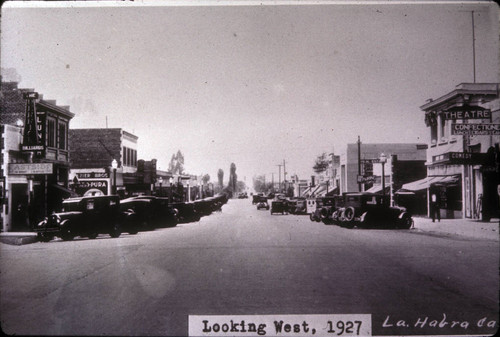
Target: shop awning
(425, 183)
(378, 189)
(65, 192)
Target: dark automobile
(186, 212)
(243, 195)
(368, 210)
(325, 208)
(149, 212)
(299, 207)
(84, 217)
(262, 203)
(279, 205)
(256, 198)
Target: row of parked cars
(91, 216)
(363, 210)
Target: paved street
(246, 262)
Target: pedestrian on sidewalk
(435, 207)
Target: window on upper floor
(62, 136)
(51, 132)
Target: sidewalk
(462, 227)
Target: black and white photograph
(249, 168)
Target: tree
(205, 179)
(321, 163)
(220, 177)
(176, 165)
(233, 177)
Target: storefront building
(463, 156)
(361, 169)
(34, 157)
(103, 161)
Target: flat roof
(489, 91)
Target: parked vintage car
(279, 204)
(150, 212)
(325, 207)
(186, 212)
(299, 206)
(84, 217)
(242, 195)
(368, 210)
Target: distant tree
(205, 179)
(220, 177)
(321, 163)
(233, 177)
(241, 186)
(176, 165)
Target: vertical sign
(33, 127)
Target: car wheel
(66, 235)
(44, 237)
(405, 222)
(349, 214)
(115, 231)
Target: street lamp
(171, 181)
(114, 165)
(160, 180)
(189, 192)
(383, 160)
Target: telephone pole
(279, 175)
(284, 175)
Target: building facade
(103, 161)
(462, 161)
(34, 156)
(361, 169)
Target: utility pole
(473, 47)
(272, 179)
(279, 175)
(284, 175)
(359, 162)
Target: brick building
(34, 156)
(92, 154)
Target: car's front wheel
(115, 231)
(405, 222)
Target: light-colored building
(463, 156)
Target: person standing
(435, 207)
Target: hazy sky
(252, 84)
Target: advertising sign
(32, 168)
(84, 186)
(475, 129)
(90, 175)
(34, 127)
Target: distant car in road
(256, 198)
(84, 217)
(368, 210)
(243, 195)
(262, 203)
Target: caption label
(281, 325)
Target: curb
(18, 240)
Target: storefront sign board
(89, 175)
(475, 129)
(31, 168)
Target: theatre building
(34, 157)
(463, 156)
